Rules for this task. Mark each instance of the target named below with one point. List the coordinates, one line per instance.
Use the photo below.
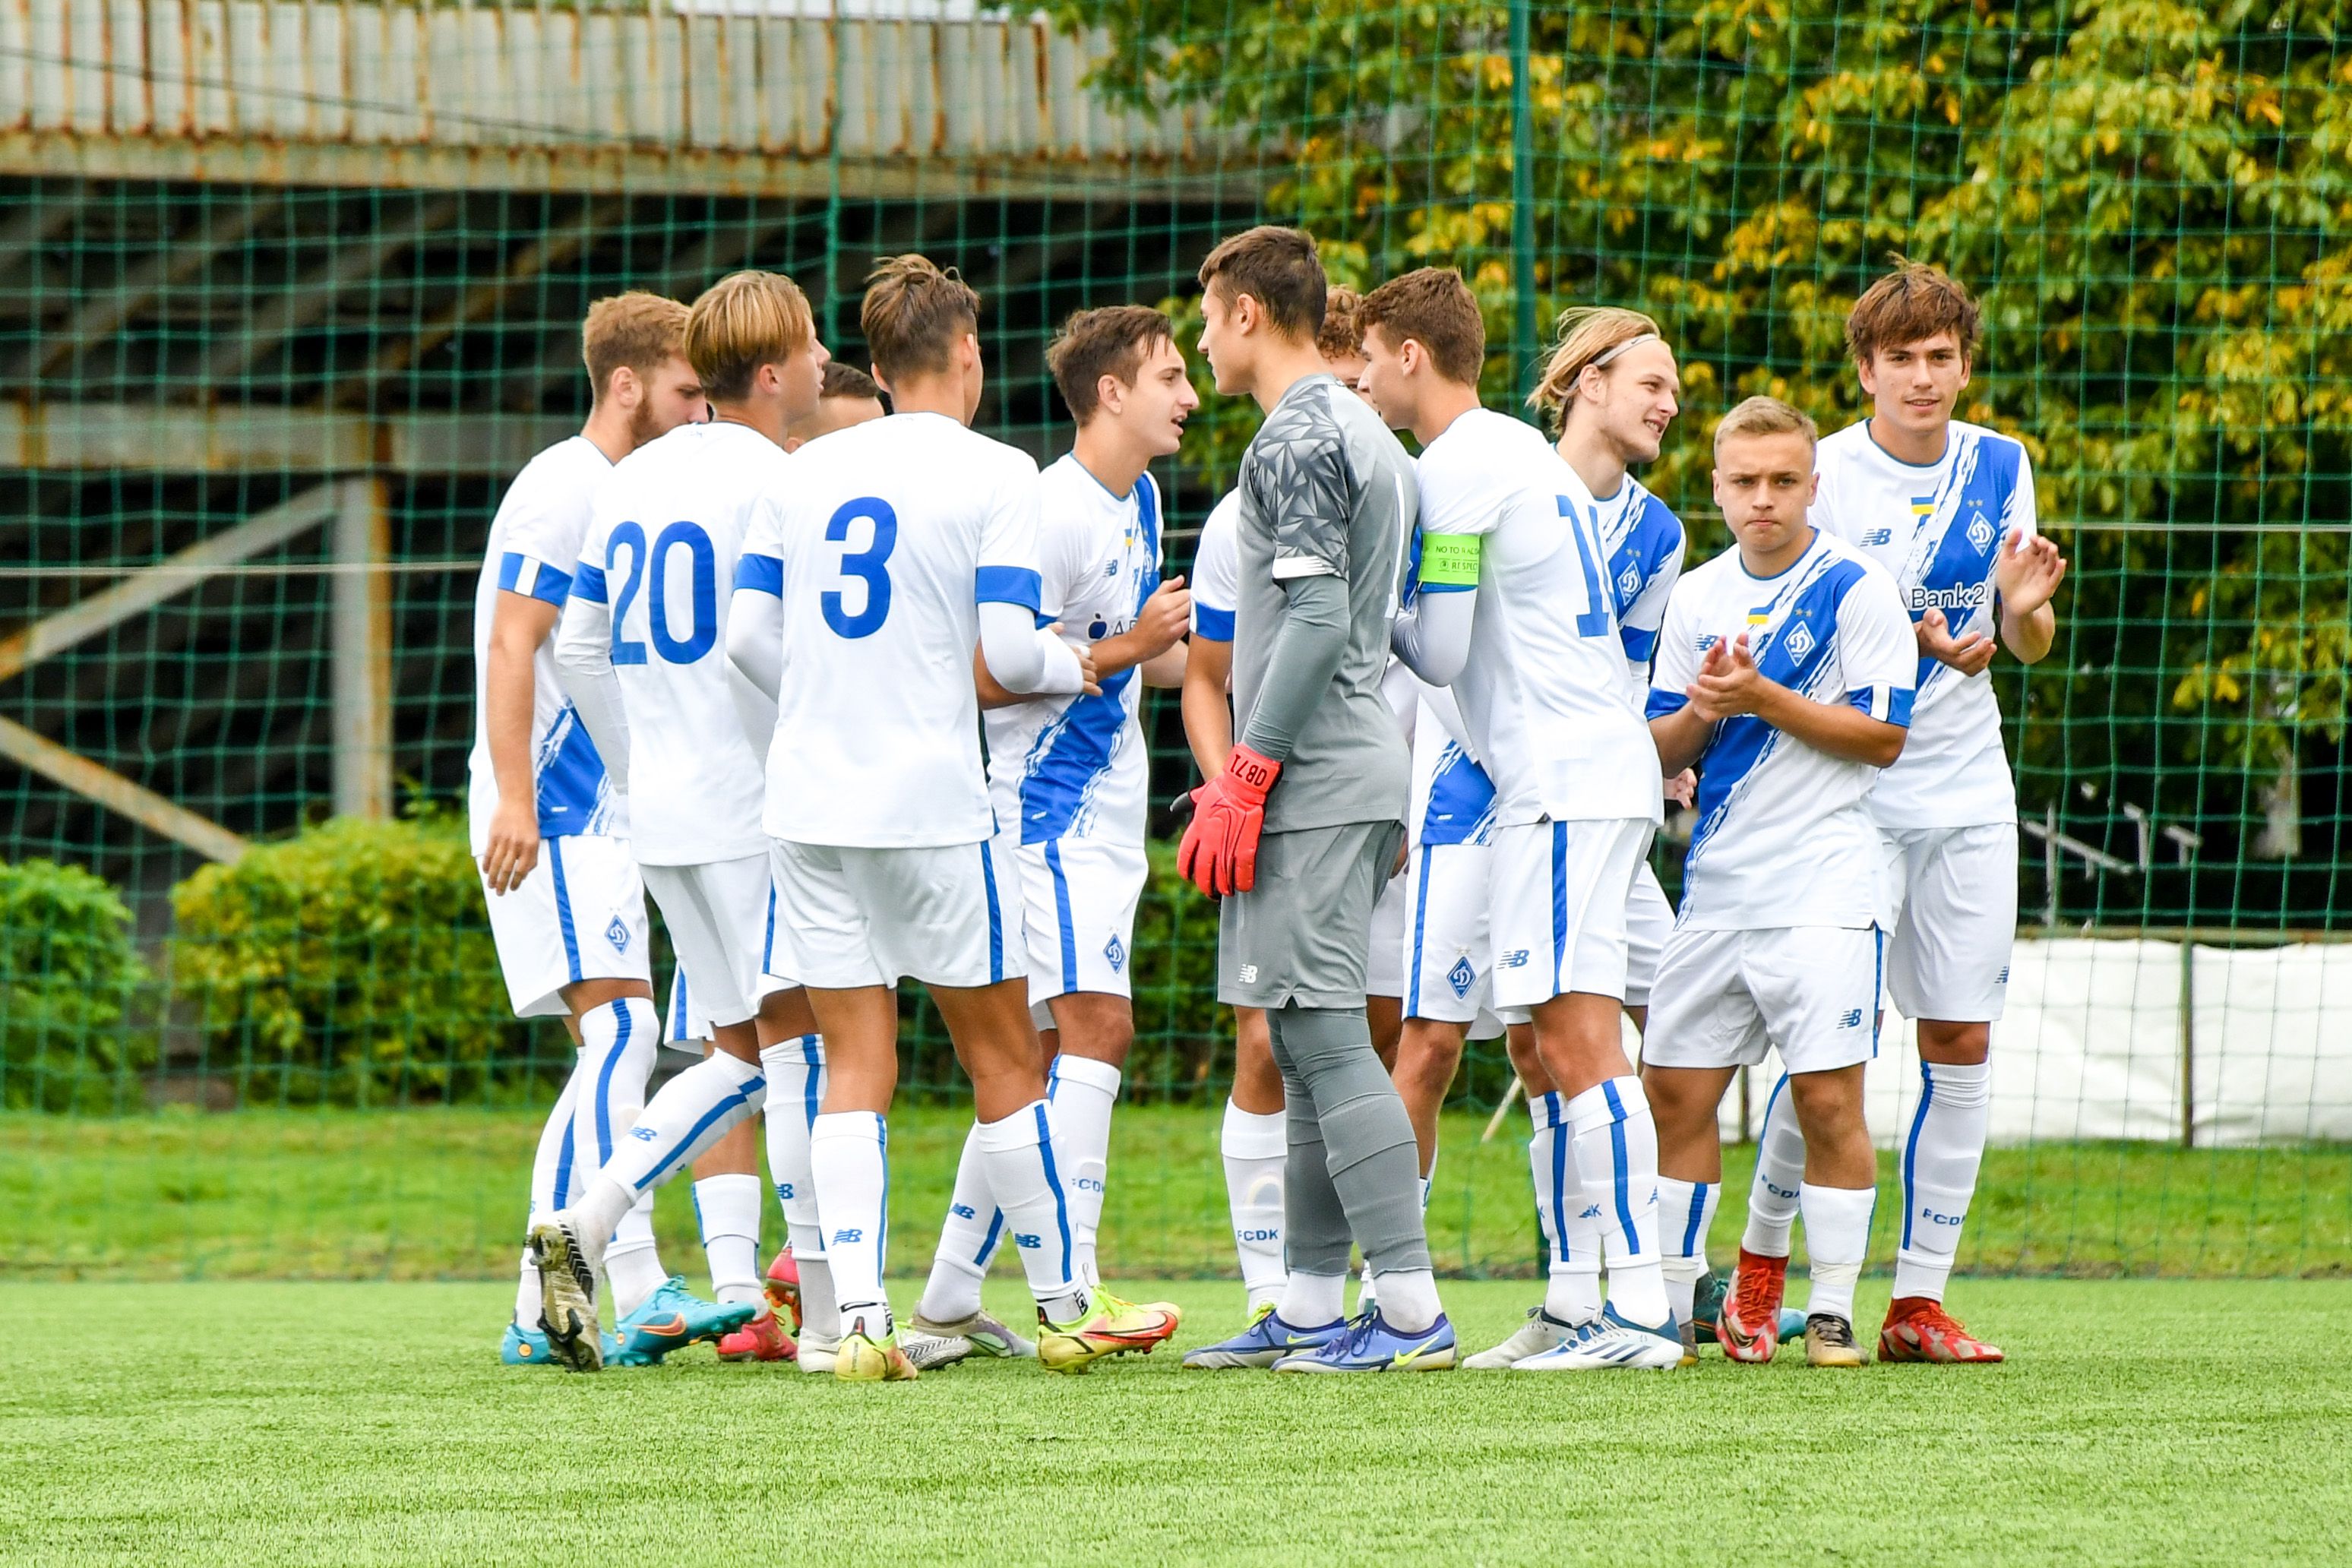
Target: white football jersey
(1938, 529)
(660, 556)
(1216, 580)
(1075, 767)
(1643, 540)
(534, 543)
(1544, 693)
(1783, 837)
(891, 535)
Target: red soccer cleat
(784, 1286)
(1749, 1327)
(761, 1339)
(1919, 1328)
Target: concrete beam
(112, 790)
(231, 439)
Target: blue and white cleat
(1370, 1345)
(673, 1318)
(1609, 1342)
(1266, 1341)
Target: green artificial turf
(250, 1424)
(437, 1193)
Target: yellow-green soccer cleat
(1108, 1327)
(868, 1358)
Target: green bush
(351, 964)
(68, 978)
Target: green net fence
(288, 291)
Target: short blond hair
(913, 314)
(1766, 417)
(1586, 334)
(742, 322)
(635, 329)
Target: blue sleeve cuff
(519, 573)
(1888, 704)
(1639, 645)
(1008, 585)
(1666, 704)
(588, 582)
(1212, 626)
(763, 574)
(1448, 588)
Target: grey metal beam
(42, 755)
(229, 439)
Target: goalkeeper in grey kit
(1299, 832)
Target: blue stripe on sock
(882, 1140)
(1559, 1141)
(995, 1229)
(731, 1103)
(1692, 1241)
(1054, 1180)
(604, 1083)
(813, 1059)
(1617, 1163)
(995, 919)
(1069, 933)
(1911, 1149)
(564, 1168)
(563, 908)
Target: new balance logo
(1028, 1238)
(642, 1134)
(618, 935)
(1706, 641)
(783, 1192)
(1879, 536)
(848, 1236)
(2004, 976)
(1850, 1019)
(964, 1211)
(1249, 974)
(1515, 959)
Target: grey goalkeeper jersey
(1326, 490)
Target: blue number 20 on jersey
(702, 630)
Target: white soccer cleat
(818, 1352)
(984, 1335)
(930, 1352)
(1540, 1332)
(1608, 1344)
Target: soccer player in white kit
(898, 546)
(566, 907)
(1514, 613)
(643, 650)
(1071, 779)
(1947, 507)
(1784, 676)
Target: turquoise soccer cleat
(528, 1347)
(673, 1318)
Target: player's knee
(1960, 1045)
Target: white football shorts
(1384, 965)
(580, 915)
(1956, 890)
(1448, 969)
(721, 918)
(849, 917)
(1080, 896)
(1722, 996)
(1560, 894)
(1649, 920)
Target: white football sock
(1027, 1169)
(632, 1264)
(849, 1152)
(1083, 1092)
(968, 1240)
(1940, 1159)
(726, 1209)
(1408, 1300)
(1685, 1209)
(1837, 1239)
(551, 1167)
(1617, 1159)
(820, 1312)
(1571, 1226)
(618, 1042)
(1780, 1172)
(692, 1112)
(795, 1073)
(1311, 1300)
(1255, 1148)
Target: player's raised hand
(1163, 619)
(1728, 683)
(513, 850)
(2028, 575)
(1713, 665)
(1970, 653)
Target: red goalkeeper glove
(1218, 852)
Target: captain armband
(1449, 561)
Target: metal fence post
(362, 650)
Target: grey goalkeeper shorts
(1301, 935)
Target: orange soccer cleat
(1919, 1328)
(783, 1288)
(1749, 1327)
(761, 1339)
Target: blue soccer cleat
(528, 1347)
(673, 1318)
(1371, 1345)
(1266, 1341)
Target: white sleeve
(1432, 638)
(1460, 497)
(1676, 665)
(755, 613)
(2021, 521)
(1007, 561)
(1025, 657)
(1216, 571)
(546, 530)
(1878, 653)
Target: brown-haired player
(1302, 827)
(1515, 612)
(641, 649)
(898, 546)
(1947, 508)
(1784, 676)
(847, 397)
(1070, 778)
(566, 905)
(1253, 1142)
